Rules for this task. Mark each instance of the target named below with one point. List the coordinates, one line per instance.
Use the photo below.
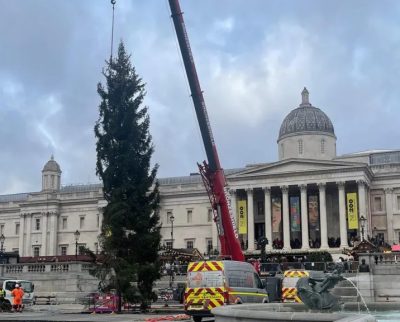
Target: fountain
(318, 304)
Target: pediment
(295, 166)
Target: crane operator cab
(215, 283)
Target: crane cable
(112, 29)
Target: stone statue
(314, 292)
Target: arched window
(323, 146)
(300, 147)
(282, 151)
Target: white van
(8, 285)
(215, 283)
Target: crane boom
(212, 173)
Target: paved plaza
(53, 313)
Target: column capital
(249, 190)
(361, 183)
(267, 190)
(232, 191)
(388, 190)
(303, 188)
(340, 184)
(322, 185)
(285, 189)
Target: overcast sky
(253, 58)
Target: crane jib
(214, 174)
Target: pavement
(73, 313)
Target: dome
(306, 118)
(51, 165)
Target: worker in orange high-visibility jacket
(17, 293)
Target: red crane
(211, 172)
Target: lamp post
(362, 221)
(2, 239)
(172, 218)
(171, 276)
(76, 234)
(2, 259)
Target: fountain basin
(283, 312)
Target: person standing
(17, 293)
(2, 299)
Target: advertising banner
(352, 210)
(295, 214)
(242, 216)
(276, 214)
(313, 212)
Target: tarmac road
(72, 313)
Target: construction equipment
(211, 172)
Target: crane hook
(113, 2)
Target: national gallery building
(311, 199)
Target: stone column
(324, 227)
(389, 214)
(250, 221)
(232, 193)
(305, 245)
(342, 215)
(53, 234)
(214, 235)
(43, 249)
(268, 217)
(286, 222)
(28, 249)
(362, 201)
(21, 235)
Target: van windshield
(205, 279)
(26, 286)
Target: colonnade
(323, 220)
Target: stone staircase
(345, 290)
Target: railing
(43, 268)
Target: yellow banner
(242, 216)
(352, 210)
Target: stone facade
(299, 202)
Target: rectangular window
(398, 202)
(81, 248)
(64, 223)
(17, 228)
(36, 251)
(189, 216)
(2, 229)
(98, 221)
(81, 222)
(378, 203)
(190, 244)
(209, 245)
(96, 248)
(209, 215)
(169, 216)
(63, 250)
(260, 208)
(37, 224)
(168, 244)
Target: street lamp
(171, 276)
(362, 220)
(76, 234)
(172, 218)
(2, 239)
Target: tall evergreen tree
(130, 235)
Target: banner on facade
(295, 214)
(313, 213)
(276, 214)
(352, 210)
(242, 216)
